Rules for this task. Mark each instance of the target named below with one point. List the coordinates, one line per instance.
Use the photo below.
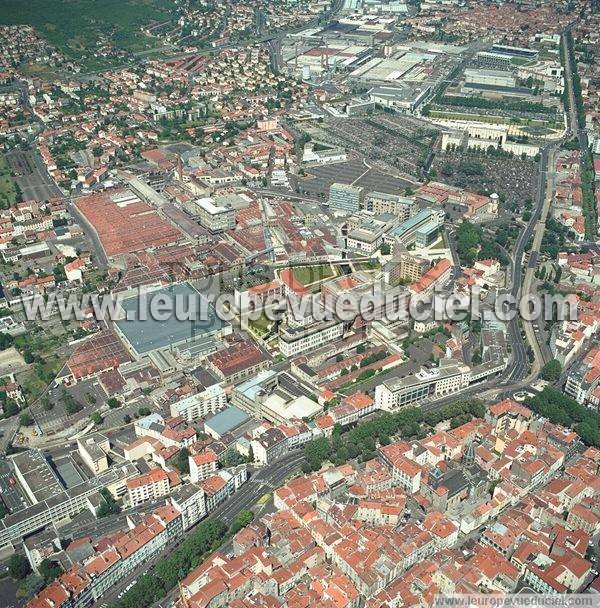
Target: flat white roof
(209, 206)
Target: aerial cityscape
(299, 303)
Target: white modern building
(201, 404)
(296, 340)
(450, 377)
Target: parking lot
(377, 181)
(57, 418)
(31, 176)
(393, 142)
(319, 179)
(11, 496)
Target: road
(532, 336)
(8, 429)
(519, 366)
(272, 476)
(545, 192)
(573, 119)
(535, 228)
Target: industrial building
(147, 334)
(225, 421)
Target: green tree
(241, 520)
(561, 409)
(31, 585)
(18, 566)
(113, 403)
(551, 371)
(109, 506)
(232, 458)
(49, 570)
(182, 461)
(96, 418)
(71, 405)
(206, 538)
(6, 340)
(10, 409)
(25, 419)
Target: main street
(263, 480)
(535, 228)
(517, 370)
(575, 129)
(519, 366)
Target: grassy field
(39, 70)
(8, 190)
(310, 274)
(261, 325)
(48, 349)
(79, 27)
(33, 385)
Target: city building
(202, 465)
(405, 267)
(93, 451)
(406, 233)
(214, 217)
(148, 486)
(200, 405)
(345, 198)
(401, 206)
(450, 377)
(296, 340)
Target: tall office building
(345, 197)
